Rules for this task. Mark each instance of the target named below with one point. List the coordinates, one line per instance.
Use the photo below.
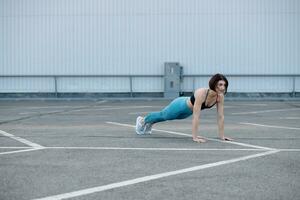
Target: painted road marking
(188, 135)
(22, 140)
(152, 177)
(264, 111)
(152, 149)
(20, 151)
(296, 118)
(147, 149)
(110, 108)
(269, 126)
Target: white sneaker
(148, 128)
(140, 125)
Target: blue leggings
(177, 109)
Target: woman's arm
(199, 96)
(220, 114)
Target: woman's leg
(177, 109)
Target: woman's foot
(140, 126)
(148, 128)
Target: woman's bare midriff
(190, 105)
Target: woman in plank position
(183, 107)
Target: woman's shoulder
(220, 98)
(200, 92)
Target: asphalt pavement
(88, 149)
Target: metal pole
(130, 80)
(193, 84)
(294, 86)
(55, 85)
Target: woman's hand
(226, 138)
(199, 139)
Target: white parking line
(15, 147)
(252, 104)
(264, 111)
(146, 149)
(110, 108)
(132, 126)
(289, 118)
(289, 150)
(152, 149)
(28, 113)
(188, 135)
(152, 177)
(269, 126)
(20, 151)
(243, 144)
(22, 140)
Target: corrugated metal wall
(53, 37)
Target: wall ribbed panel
(24, 85)
(93, 85)
(53, 37)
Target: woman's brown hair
(214, 81)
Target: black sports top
(203, 106)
